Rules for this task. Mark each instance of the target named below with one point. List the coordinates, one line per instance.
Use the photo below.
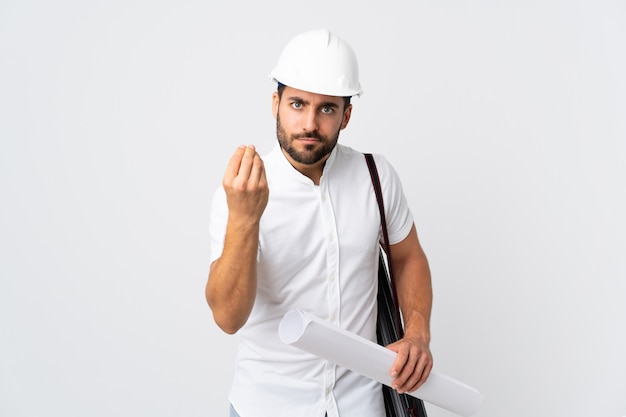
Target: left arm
(413, 284)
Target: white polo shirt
(318, 251)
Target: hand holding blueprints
(358, 354)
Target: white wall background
(505, 119)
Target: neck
(312, 171)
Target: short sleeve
(398, 214)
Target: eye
(296, 105)
(327, 110)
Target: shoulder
(356, 156)
(383, 166)
(350, 159)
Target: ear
(275, 103)
(346, 116)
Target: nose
(309, 122)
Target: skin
(308, 127)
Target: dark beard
(309, 156)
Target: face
(308, 124)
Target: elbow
(227, 319)
(230, 307)
(229, 331)
(228, 325)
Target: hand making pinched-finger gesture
(245, 185)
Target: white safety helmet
(320, 62)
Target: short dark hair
(281, 88)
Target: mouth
(308, 140)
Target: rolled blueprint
(310, 333)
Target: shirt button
(330, 238)
(332, 317)
(331, 278)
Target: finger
(247, 161)
(400, 361)
(420, 373)
(232, 169)
(257, 174)
(403, 380)
(413, 378)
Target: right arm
(231, 286)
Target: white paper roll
(330, 342)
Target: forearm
(413, 285)
(414, 288)
(412, 277)
(231, 287)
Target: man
(300, 228)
